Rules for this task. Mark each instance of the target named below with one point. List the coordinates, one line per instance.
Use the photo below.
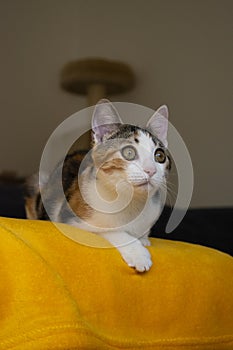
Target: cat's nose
(150, 171)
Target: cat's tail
(33, 204)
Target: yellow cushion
(58, 294)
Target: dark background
(211, 227)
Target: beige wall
(181, 52)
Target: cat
(117, 189)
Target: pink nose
(150, 171)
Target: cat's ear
(105, 120)
(158, 124)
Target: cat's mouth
(144, 183)
(141, 182)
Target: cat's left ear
(158, 124)
(105, 120)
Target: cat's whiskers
(171, 194)
(138, 179)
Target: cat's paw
(136, 256)
(145, 241)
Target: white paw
(136, 256)
(145, 241)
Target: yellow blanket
(58, 294)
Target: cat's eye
(160, 156)
(129, 153)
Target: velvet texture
(59, 294)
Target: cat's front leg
(145, 240)
(131, 249)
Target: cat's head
(122, 151)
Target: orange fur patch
(77, 203)
(114, 164)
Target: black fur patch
(126, 131)
(70, 169)
(41, 212)
(169, 164)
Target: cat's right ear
(105, 120)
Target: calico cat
(117, 189)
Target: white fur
(128, 233)
(131, 237)
(145, 161)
